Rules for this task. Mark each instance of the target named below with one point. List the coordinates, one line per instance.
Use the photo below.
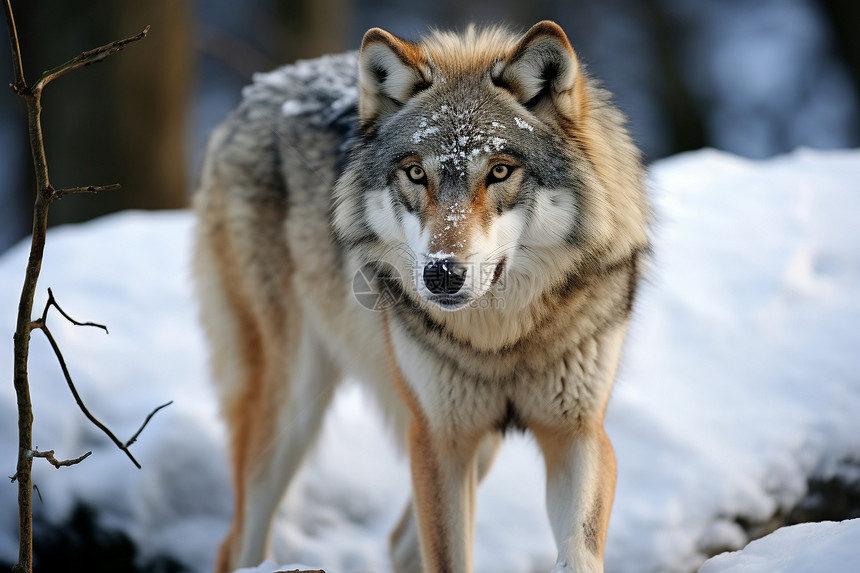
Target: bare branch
(86, 59)
(45, 195)
(53, 302)
(42, 325)
(77, 396)
(133, 439)
(49, 455)
(60, 193)
(21, 338)
(20, 84)
(35, 487)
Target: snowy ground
(739, 383)
(804, 548)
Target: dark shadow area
(81, 544)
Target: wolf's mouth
(500, 268)
(450, 302)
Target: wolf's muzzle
(444, 276)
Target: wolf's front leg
(444, 479)
(405, 545)
(580, 485)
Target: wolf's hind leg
(405, 545)
(275, 381)
(299, 411)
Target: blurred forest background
(753, 77)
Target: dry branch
(17, 67)
(53, 302)
(87, 59)
(60, 193)
(133, 439)
(42, 325)
(45, 195)
(49, 455)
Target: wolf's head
(487, 162)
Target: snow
(523, 124)
(739, 382)
(293, 107)
(827, 546)
(271, 567)
(424, 131)
(465, 135)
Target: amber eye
(416, 174)
(499, 173)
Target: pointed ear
(390, 72)
(542, 70)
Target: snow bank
(739, 382)
(809, 547)
(271, 567)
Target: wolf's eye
(416, 174)
(499, 173)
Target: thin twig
(20, 83)
(39, 493)
(86, 59)
(60, 193)
(42, 325)
(53, 302)
(90, 417)
(49, 455)
(133, 439)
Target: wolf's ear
(390, 72)
(542, 70)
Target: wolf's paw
(586, 566)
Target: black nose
(444, 276)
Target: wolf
(484, 188)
